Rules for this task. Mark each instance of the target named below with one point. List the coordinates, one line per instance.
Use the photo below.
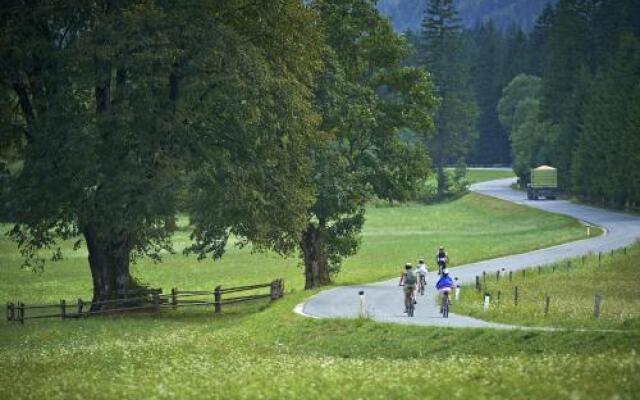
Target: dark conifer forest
(565, 92)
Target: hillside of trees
(566, 93)
(579, 109)
(408, 14)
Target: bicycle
(442, 264)
(422, 284)
(444, 308)
(409, 303)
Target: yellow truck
(544, 183)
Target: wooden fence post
(484, 277)
(510, 275)
(80, 306)
(156, 301)
(174, 297)
(515, 296)
(524, 274)
(63, 309)
(498, 296)
(497, 275)
(547, 299)
(553, 268)
(477, 283)
(599, 258)
(281, 287)
(625, 251)
(11, 312)
(274, 290)
(217, 298)
(539, 270)
(21, 312)
(596, 306)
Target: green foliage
(590, 70)
(407, 14)
(119, 102)
(366, 100)
(520, 88)
(519, 112)
(441, 52)
(605, 160)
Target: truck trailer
(544, 183)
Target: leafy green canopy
(376, 114)
(120, 100)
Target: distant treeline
(407, 14)
(567, 94)
(581, 110)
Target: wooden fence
(145, 299)
(483, 283)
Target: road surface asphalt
(384, 301)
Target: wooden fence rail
(148, 299)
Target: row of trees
(272, 121)
(580, 113)
(470, 67)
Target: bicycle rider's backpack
(410, 278)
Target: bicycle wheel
(408, 303)
(445, 306)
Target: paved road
(384, 300)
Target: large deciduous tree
(120, 100)
(375, 115)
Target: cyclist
(408, 279)
(422, 272)
(445, 284)
(442, 258)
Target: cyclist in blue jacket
(445, 284)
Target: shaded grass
(571, 286)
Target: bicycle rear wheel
(445, 306)
(408, 303)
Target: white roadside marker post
(487, 299)
(363, 305)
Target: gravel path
(384, 299)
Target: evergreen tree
(442, 54)
(487, 79)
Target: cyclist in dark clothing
(442, 259)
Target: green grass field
(479, 175)
(264, 350)
(571, 286)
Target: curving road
(384, 300)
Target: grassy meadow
(571, 286)
(479, 175)
(264, 350)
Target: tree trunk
(315, 263)
(109, 264)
